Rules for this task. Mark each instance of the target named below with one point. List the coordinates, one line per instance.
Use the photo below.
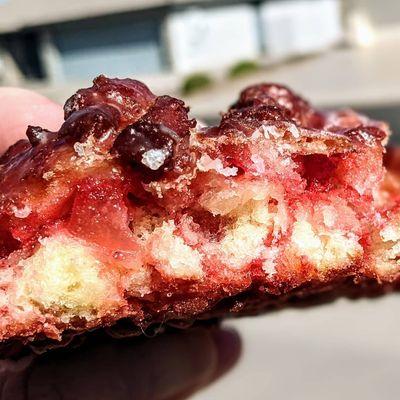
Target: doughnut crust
(133, 211)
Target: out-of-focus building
(366, 19)
(57, 41)
(300, 27)
(207, 38)
(57, 46)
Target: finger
(169, 366)
(228, 346)
(20, 108)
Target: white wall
(293, 27)
(211, 38)
(380, 12)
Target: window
(117, 45)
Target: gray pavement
(344, 350)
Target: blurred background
(337, 53)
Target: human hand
(169, 366)
(20, 108)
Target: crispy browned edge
(250, 302)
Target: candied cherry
(368, 135)
(152, 149)
(37, 135)
(246, 120)
(100, 121)
(150, 143)
(171, 113)
(13, 151)
(7, 243)
(132, 98)
(269, 94)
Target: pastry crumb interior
(65, 277)
(68, 276)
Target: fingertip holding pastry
(22, 107)
(167, 366)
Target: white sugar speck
(258, 163)
(269, 268)
(79, 149)
(206, 163)
(271, 131)
(21, 212)
(48, 175)
(294, 131)
(269, 264)
(154, 158)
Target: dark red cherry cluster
(263, 103)
(150, 142)
(141, 128)
(150, 133)
(126, 119)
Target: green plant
(243, 68)
(195, 82)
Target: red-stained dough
(132, 211)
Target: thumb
(20, 108)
